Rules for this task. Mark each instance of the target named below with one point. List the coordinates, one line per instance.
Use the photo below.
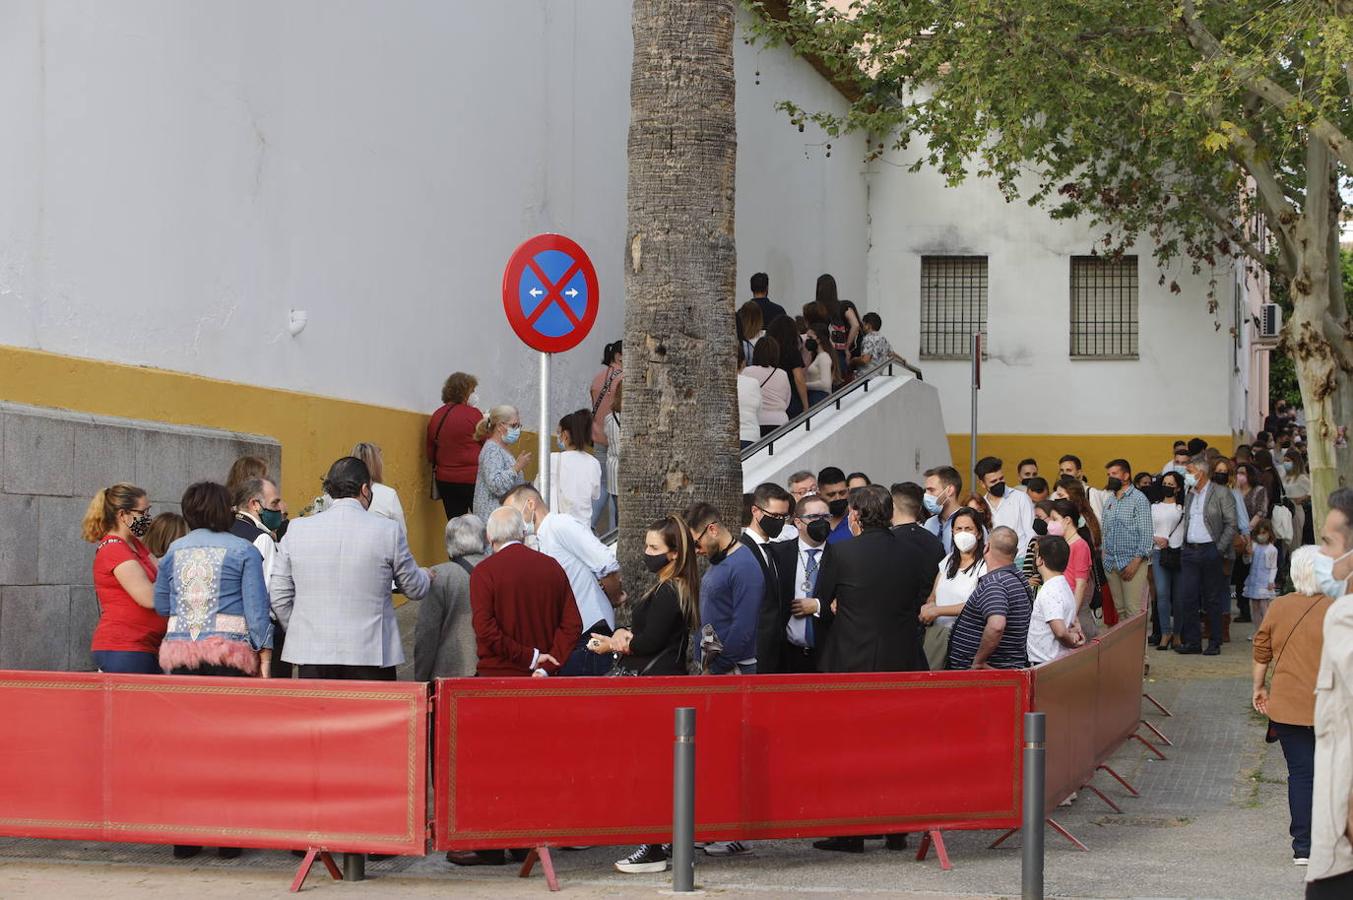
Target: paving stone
(18, 539)
(84, 615)
(64, 556)
(34, 628)
(38, 453)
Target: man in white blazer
(331, 579)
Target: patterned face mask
(141, 524)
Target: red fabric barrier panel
(589, 760)
(1121, 656)
(1067, 692)
(217, 761)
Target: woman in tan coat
(1289, 641)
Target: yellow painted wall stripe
(313, 430)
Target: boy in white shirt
(1053, 631)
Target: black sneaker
(1212, 651)
(1188, 650)
(647, 858)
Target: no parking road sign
(550, 293)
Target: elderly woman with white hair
(444, 638)
(1289, 641)
(499, 470)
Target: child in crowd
(874, 347)
(1261, 585)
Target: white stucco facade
(178, 175)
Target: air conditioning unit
(1270, 321)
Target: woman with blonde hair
(127, 638)
(499, 470)
(384, 499)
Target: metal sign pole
(683, 802)
(976, 386)
(543, 440)
(1035, 775)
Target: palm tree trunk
(680, 420)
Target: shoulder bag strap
(605, 389)
(1289, 636)
(460, 561)
(437, 432)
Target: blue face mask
(932, 505)
(1324, 573)
(1190, 481)
(512, 435)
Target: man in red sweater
(525, 618)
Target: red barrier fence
(535, 762)
(217, 761)
(1092, 701)
(574, 761)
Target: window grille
(1103, 307)
(953, 305)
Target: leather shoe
(186, 851)
(476, 857)
(1187, 650)
(1212, 651)
(228, 852)
(841, 844)
(895, 842)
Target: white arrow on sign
(572, 292)
(535, 292)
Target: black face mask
(1040, 527)
(1025, 481)
(811, 346)
(655, 562)
(997, 489)
(838, 507)
(818, 530)
(771, 526)
(1220, 478)
(1114, 485)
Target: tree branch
(1232, 232)
(1261, 85)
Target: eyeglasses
(815, 517)
(766, 512)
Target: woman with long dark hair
(786, 335)
(954, 584)
(658, 639)
(843, 321)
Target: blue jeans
(583, 661)
(816, 397)
(1200, 584)
(127, 662)
(1298, 743)
(1164, 579)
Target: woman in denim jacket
(212, 589)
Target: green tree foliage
(1217, 129)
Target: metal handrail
(860, 382)
(805, 418)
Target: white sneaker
(646, 858)
(1300, 861)
(727, 848)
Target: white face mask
(1324, 573)
(964, 541)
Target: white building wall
(1031, 385)
(177, 175)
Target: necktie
(810, 574)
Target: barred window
(1103, 307)
(953, 305)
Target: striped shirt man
(1000, 592)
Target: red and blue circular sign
(550, 293)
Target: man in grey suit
(1209, 533)
(330, 583)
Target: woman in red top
(127, 638)
(452, 448)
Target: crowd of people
(830, 572)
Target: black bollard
(683, 802)
(1034, 782)
(354, 867)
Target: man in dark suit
(908, 505)
(797, 564)
(875, 580)
(769, 515)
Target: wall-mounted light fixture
(296, 324)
